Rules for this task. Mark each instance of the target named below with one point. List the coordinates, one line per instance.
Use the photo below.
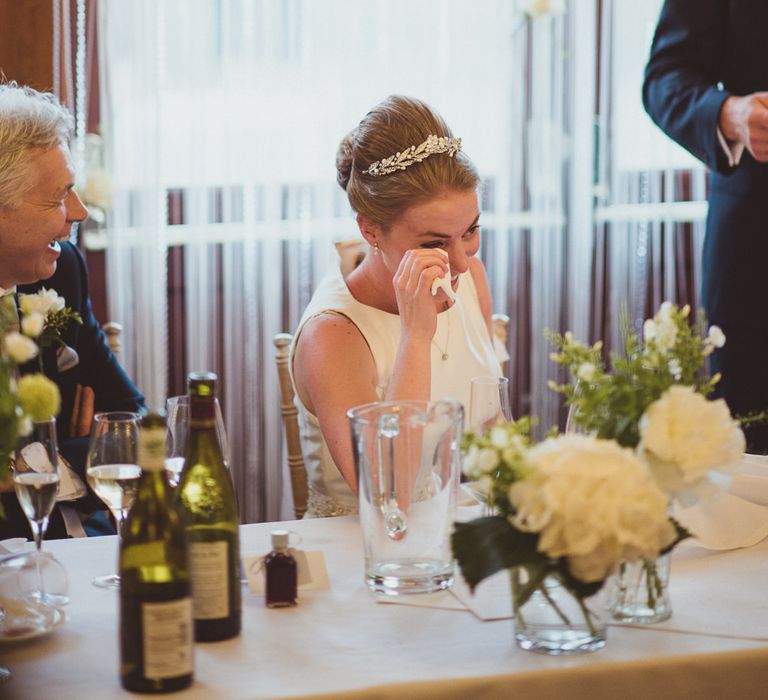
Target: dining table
(344, 642)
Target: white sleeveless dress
(462, 335)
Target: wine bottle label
(168, 638)
(209, 566)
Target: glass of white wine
(36, 481)
(112, 469)
(177, 408)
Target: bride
(413, 319)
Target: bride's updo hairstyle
(391, 127)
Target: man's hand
(744, 120)
(82, 414)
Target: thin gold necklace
(444, 352)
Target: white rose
(19, 348)
(683, 437)
(32, 324)
(44, 301)
(593, 502)
(586, 371)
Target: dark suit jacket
(704, 51)
(98, 368)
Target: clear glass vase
(554, 621)
(639, 591)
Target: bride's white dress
(462, 335)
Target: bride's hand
(417, 270)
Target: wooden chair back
(298, 473)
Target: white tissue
(444, 282)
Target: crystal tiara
(415, 154)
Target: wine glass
(36, 481)
(488, 402)
(177, 408)
(112, 469)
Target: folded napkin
(737, 518)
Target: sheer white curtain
(235, 108)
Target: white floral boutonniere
(43, 316)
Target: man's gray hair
(29, 120)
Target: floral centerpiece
(652, 399)
(567, 512)
(33, 397)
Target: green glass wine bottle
(207, 500)
(156, 624)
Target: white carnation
(593, 502)
(19, 348)
(683, 437)
(32, 324)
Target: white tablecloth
(343, 643)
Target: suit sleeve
(681, 91)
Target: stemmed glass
(177, 408)
(112, 469)
(488, 402)
(36, 481)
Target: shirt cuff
(732, 152)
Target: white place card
(311, 571)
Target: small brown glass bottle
(280, 572)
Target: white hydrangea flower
(43, 302)
(19, 348)
(684, 438)
(32, 324)
(593, 502)
(586, 371)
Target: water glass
(488, 402)
(407, 457)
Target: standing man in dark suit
(706, 86)
(38, 207)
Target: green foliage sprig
(610, 399)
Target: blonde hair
(391, 126)
(29, 120)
